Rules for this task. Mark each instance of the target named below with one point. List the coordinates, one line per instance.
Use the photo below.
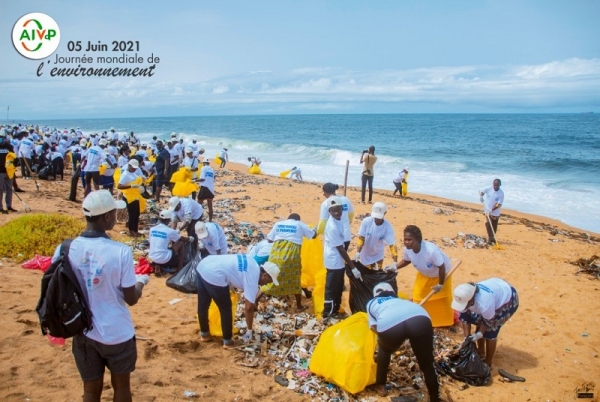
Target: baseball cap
(273, 271)
(165, 214)
(206, 161)
(173, 202)
(382, 287)
(201, 230)
(188, 150)
(379, 209)
(201, 150)
(462, 294)
(134, 163)
(173, 135)
(100, 202)
(83, 142)
(406, 168)
(102, 142)
(333, 201)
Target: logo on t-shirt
(242, 263)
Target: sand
(545, 341)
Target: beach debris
(448, 242)
(442, 211)
(590, 266)
(175, 301)
(190, 394)
(470, 240)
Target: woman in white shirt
(396, 320)
(329, 190)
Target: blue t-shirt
(162, 157)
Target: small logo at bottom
(585, 391)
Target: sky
(297, 57)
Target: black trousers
(133, 209)
(419, 332)
(75, 158)
(24, 170)
(191, 231)
(398, 188)
(58, 165)
(220, 294)
(364, 181)
(494, 220)
(334, 286)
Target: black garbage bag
(362, 291)
(188, 254)
(46, 172)
(185, 280)
(466, 365)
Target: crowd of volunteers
(113, 163)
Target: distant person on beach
(296, 174)
(224, 157)
(6, 181)
(207, 187)
(287, 237)
(254, 161)
(492, 199)
(216, 273)
(105, 271)
(367, 159)
(394, 321)
(398, 180)
(92, 160)
(374, 234)
(431, 264)
(161, 166)
(488, 305)
(329, 190)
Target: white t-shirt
(223, 155)
(94, 157)
(385, 312)
(160, 237)
(376, 238)
(429, 258)
(347, 208)
(207, 175)
(25, 148)
(103, 268)
(195, 148)
(110, 171)
(493, 293)
(261, 249)
(191, 163)
(492, 198)
(291, 230)
(216, 239)
(175, 154)
(237, 270)
(95, 140)
(123, 160)
(334, 237)
(296, 172)
(127, 177)
(190, 210)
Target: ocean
(549, 164)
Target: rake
(27, 209)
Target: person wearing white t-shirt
(104, 269)
(224, 157)
(188, 212)
(335, 257)
(216, 273)
(329, 190)
(296, 174)
(25, 154)
(399, 179)
(207, 187)
(492, 202)
(394, 321)
(107, 180)
(212, 237)
(287, 237)
(166, 244)
(373, 235)
(260, 251)
(92, 160)
(431, 264)
(488, 305)
(195, 147)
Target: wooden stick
(30, 172)
(346, 177)
(447, 276)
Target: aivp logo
(36, 36)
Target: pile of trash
(589, 266)
(441, 211)
(468, 241)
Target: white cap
(173, 202)
(201, 230)
(382, 287)
(134, 163)
(273, 271)
(462, 294)
(379, 209)
(188, 150)
(112, 128)
(165, 214)
(100, 202)
(173, 135)
(83, 142)
(334, 201)
(406, 169)
(102, 142)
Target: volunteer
(260, 251)
(190, 162)
(329, 190)
(287, 237)
(224, 157)
(367, 158)
(130, 180)
(91, 165)
(396, 320)
(398, 180)
(215, 274)
(166, 244)
(373, 235)
(488, 305)
(432, 265)
(212, 237)
(494, 198)
(296, 174)
(207, 187)
(189, 212)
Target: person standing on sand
(373, 235)
(367, 159)
(161, 166)
(488, 305)
(398, 180)
(287, 237)
(224, 157)
(104, 269)
(492, 202)
(329, 190)
(207, 187)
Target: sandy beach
(552, 340)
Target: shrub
(28, 235)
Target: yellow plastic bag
(218, 159)
(284, 173)
(344, 354)
(214, 317)
(254, 170)
(102, 169)
(312, 261)
(405, 186)
(132, 194)
(318, 293)
(181, 175)
(184, 189)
